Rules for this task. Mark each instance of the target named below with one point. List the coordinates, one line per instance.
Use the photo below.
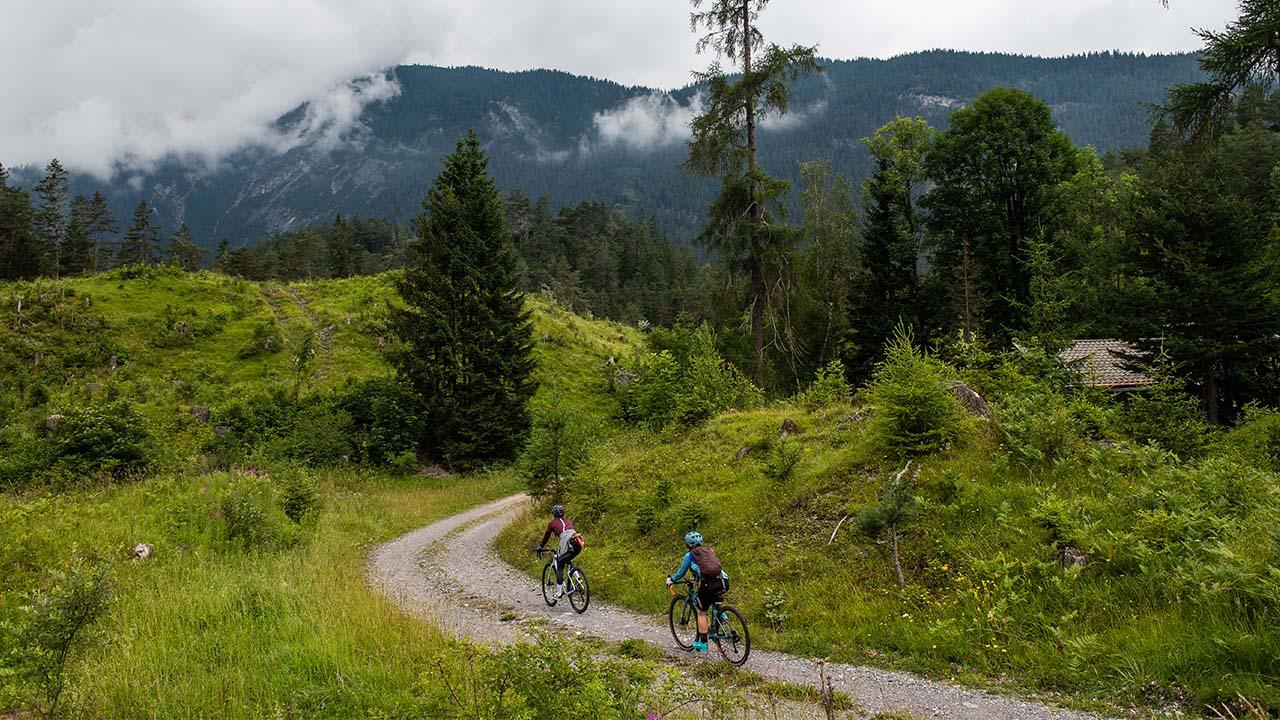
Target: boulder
(200, 412)
(788, 427)
(971, 400)
(1068, 557)
(623, 378)
(52, 423)
(142, 551)
(742, 452)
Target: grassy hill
(253, 603)
(1055, 548)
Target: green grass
(208, 630)
(985, 602)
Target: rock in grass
(970, 399)
(52, 423)
(200, 412)
(788, 427)
(142, 551)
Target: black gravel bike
(725, 625)
(576, 587)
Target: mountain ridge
(576, 138)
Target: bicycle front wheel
(579, 589)
(548, 585)
(684, 622)
(731, 635)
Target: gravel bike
(576, 587)
(725, 625)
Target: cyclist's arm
(685, 566)
(546, 535)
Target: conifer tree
(100, 225)
(19, 251)
(464, 337)
(51, 215)
(724, 142)
(340, 263)
(183, 252)
(77, 247)
(140, 241)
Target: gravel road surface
(448, 573)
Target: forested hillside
(584, 139)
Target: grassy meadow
(1174, 600)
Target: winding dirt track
(449, 574)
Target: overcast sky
(100, 84)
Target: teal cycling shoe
(699, 646)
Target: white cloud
(647, 121)
(794, 118)
(129, 83)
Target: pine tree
(19, 250)
(465, 339)
(51, 216)
(724, 142)
(139, 245)
(77, 247)
(101, 224)
(183, 252)
(340, 251)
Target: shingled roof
(1102, 363)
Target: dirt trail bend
(449, 574)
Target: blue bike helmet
(557, 510)
(692, 538)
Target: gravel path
(449, 574)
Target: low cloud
(794, 118)
(116, 87)
(647, 121)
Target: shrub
(249, 517)
(266, 341)
(320, 435)
(915, 411)
(829, 387)
(58, 619)
(1256, 439)
(779, 461)
(386, 420)
(558, 444)
(299, 496)
(684, 381)
(691, 514)
(1167, 416)
(1036, 427)
(541, 679)
(112, 437)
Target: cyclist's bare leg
(702, 622)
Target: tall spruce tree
(140, 241)
(465, 340)
(183, 251)
(19, 250)
(101, 226)
(341, 263)
(77, 247)
(724, 142)
(54, 192)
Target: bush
(541, 680)
(299, 496)
(111, 437)
(320, 435)
(560, 440)
(386, 420)
(779, 461)
(684, 381)
(915, 410)
(1256, 440)
(829, 387)
(249, 516)
(1167, 416)
(58, 619)
(1036, 427)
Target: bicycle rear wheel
(578, 588)
(684, 622)
(731, 635)
(548, 585)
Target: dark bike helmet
(557, 510)
(692, 538)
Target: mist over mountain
(576, 138)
